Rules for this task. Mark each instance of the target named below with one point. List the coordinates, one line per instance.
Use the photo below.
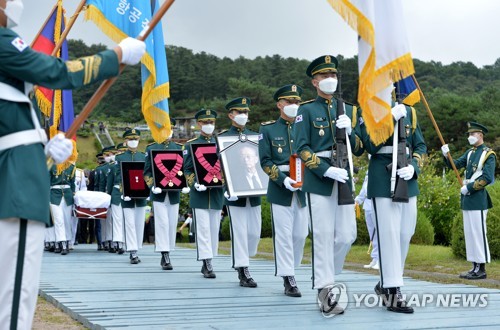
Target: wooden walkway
(103, 291)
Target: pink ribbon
(213, 171)
(170, 175)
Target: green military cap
(476, 127)
(99, 155)
(205, 114)
(121, 146)
(288, 92)
(325, 63)
(108, 149)
(239, 103)
(131, 133)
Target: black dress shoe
(395, 302)
(479, 275)
(291, 289)
(64, 252)
(111, 250)
(245, 278)
(207, 269)
(327, 303)
(475, 268)
(120, 251)
(52, 247)
(165, 261)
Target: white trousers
(134, 227)
(370, 225)
(476, 242)
(108, 232)
(290, 229)
(61, 214)
(117, 216)
(246, 224)
(333, 229)
(21, 248)
(166, 215)
(50, 234)
(74, 227)
(207, 224)
(395, 225)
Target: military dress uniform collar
(321, 99)
(237, 129)
(283, 121)
(206, 138)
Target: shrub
(363, 237)
(492, 224)
(267, 227)
(225, 230)
(424, 232)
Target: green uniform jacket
(173, 196)
(314, 131)
(275, 148)
(212, 198)
(379, 177)
(66, 178)
(126, 156)
(25, 183)
(97, 171)
(254, 201)
(116, 194)
(104, 170)
(478, 198)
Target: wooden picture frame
(240, 163)
(166, 166)
(207, 165)
(133, 182)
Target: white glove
(288, 184)
(200, 187)
(132, 50)
(230, 198)
(336, 173)
(406, 173)
(156, 190)
(399, 111)
(445, 150)
(358, 200)
(464, 190)
(185, 190)
(126, 198)
(344, 122)
(59, 148)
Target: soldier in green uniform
(479, 163)
(97, 222)
(106, 225)
(395, 220)
(288, 204)
(134, 210)
(205, 202)
(24, 210)
(165, 204)
(62, 189)
(244, 213)
(333, 226)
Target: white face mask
(291, 110)
(241, 119)
(107, 159)
(13, 10)
(112, 158)
(328, 85)
(133, 143)
(208, 129)
(472, 140)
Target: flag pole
(68, 27)
(105, 86)
(431, 116)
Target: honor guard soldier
(107, 225)
(134, 210)
(479, 163)
(333, 226)
(205, 202)
(165, 204)
(288, 203)
(114, 230)
(244, 213)
(395, 214)
(24, 210)
(97, 222)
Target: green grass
(47, 316)
(430, 263)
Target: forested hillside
(456, 93)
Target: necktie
(255, 183)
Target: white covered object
(92, 199)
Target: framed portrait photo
(207, 166)
(133, 182)
(167, 169)
(241, 165)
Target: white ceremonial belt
(26, 137)
(284, 168)
(388, 150)
(117, 186)
(325, 154)
(60, 186)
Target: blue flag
(127, 18)
(408, 90)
